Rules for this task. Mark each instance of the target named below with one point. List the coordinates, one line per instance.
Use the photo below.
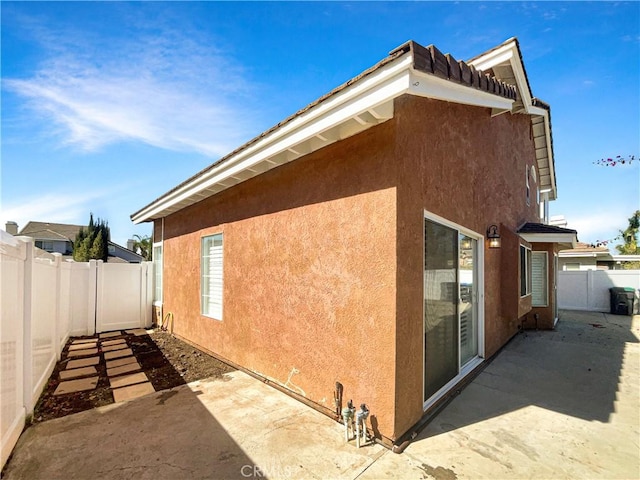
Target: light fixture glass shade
(493, 236)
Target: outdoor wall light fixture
(493, 236)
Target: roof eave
(570, 240)
(508, 55)
(359, 104)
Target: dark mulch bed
(167, 361)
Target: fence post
(590, 289)
(27, 349)
(145, 311)
(57, 329)
(92, 292)
(99, 295)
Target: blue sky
(106, 106)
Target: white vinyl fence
(44, 301)
(589, 289)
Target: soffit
(505, 62)
(359, 104)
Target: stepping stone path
(123, 370)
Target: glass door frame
(464, 370)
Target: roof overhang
(572, 254)
(569, 240)
(505, 61)
(360, 104)
(626, 258)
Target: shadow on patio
(574, 370)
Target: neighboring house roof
(50, 231)
(63, 232)
(543, 233)
(368, 100)
(584, 250)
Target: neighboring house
(587, 257)
(354, 241)
(59, 238)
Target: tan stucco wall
(309, 274)
(457, 162)
(323, 257)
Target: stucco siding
(459, 163)
(309, 293)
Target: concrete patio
(552, 404)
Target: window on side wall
(157, 274)
(211, 276)
(525, 271)
(572, 266)
(539, 279)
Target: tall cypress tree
(92, 243)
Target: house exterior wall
(461, 164)
(123, 253)
(546, 314)
(323, 257)
(58, 246)
(584, 263)
(309, 292)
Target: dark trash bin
(621, 300)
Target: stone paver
(118, 353)
(115, 371)
(137, 332)
(113, 348)
(79, 385)
(83, 362)
(119, 341)
(83, 346)
(110, 334)
(77, 373)
(121, 361)
(84, 340)
(82, 353)
(127, 380)
(132, 391)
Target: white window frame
(527, 267)
(158, 273)
(46, 245)
(545, 274)
(211, 278)
(470, 366)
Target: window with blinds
(525, 271)
(211, 276)
(157, 273)
(539, 280)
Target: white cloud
(51, 207)
(166, 90)
(598, 226)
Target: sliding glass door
(450, 304)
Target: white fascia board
(381, 86)
(547, 133)
(568, 238)
(427, 85)
(626, 258)
(507, 53)
(570, 254)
